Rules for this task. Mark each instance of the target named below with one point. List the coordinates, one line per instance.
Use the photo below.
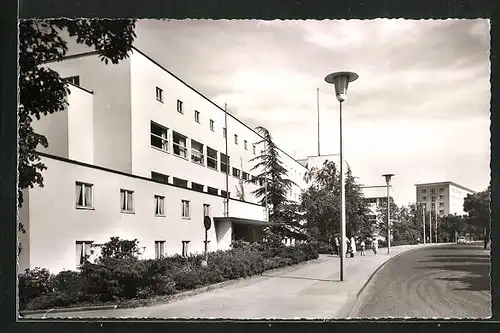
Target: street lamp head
(388, 177)
(341, 81)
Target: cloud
(419, 107)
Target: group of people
(351, 246)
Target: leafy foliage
(477, 207)
(273, 173)
(42, 91)
(321, 204)
(118, 248)
(126, 277)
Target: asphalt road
(449, 281)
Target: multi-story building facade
(375, 196)
(140, 154)
(442, 197)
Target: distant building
(443, 197)
(375, 196)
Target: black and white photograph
(254, 169)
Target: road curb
(58, 310)
(352, 303)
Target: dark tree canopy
(273, 172)
(321, 204)
(42, 91)
(477, 207)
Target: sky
(419, 109)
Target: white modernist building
(444, 198)
(140, 154)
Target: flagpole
(227, 165)
(317, 104)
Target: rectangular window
(441, 197)
(254, 149)
(245, 176)
(197, 152)
(225, 194)
(433, 198)
(211, 158)
(433, 190)
(159, 136)
(83, 251)
(245, 144)
(236, 139)
(84, 197)
(180, 182)
(197, 116)
(180, 145)
(159, 177)
(206, 210)
(433, 205)
(73, 80)
(423, 191)
(127, 201)
(224, 163)
(197, 187)
(180, 107)
(236, 172)
(212, 190)
(159, 205)
(441, 204)
(159, 249)
(211, 125)
(185, 209)
(224, 133)
(159, 94)
(441, 189)
(185, 248)
(424, 198)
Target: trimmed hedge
(114, 279)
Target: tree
(451, 225)
(382, 216)
(42, 91)
(321, 204)
(477, 207)
(273, 175)
(117, 248)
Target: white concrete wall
(55, 224)
(55, 128)
(456, 199)
(110, 85)
(80, 126)
(145, 77)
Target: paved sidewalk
(312, 290)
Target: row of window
(432, 190)
(214, 160)
(84, 249)
(180, 109)
(433, 198)
(85, 195)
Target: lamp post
(423, 219)
(388, 182)
(341, 81)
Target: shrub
(69, 282)
(187, 278)
(52, 300)
(34, 283)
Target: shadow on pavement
(475, 265)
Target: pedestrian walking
(337, 246)
(353, 246)
(363, 245)
(375, 246)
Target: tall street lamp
(388, 181)
(341, 81)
